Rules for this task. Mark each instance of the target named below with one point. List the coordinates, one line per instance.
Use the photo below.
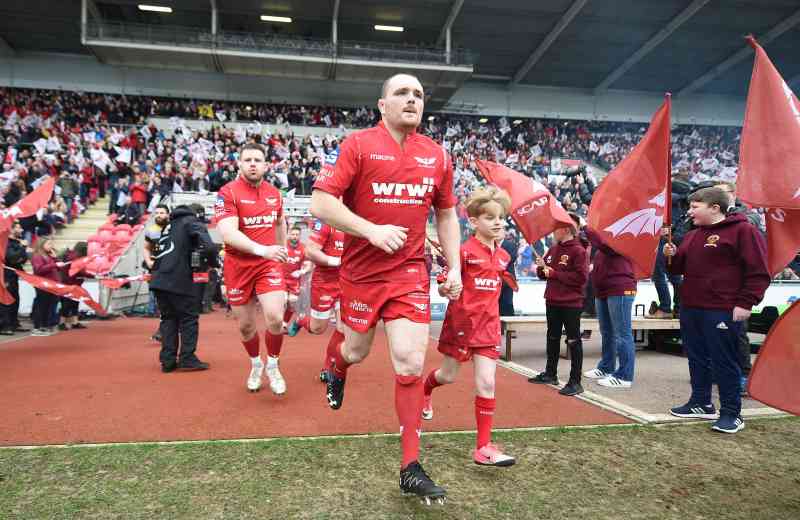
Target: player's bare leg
(355, 348)
(444, 375)
(486, 453)
(318, 325)
(246, 316)
(273, 305)
(408, 342)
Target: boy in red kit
(389, 177)
(471, 329)
(250, 218)
(294, 269)
(724, 263)
(325, 247)
(566, 269)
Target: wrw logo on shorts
(398, 190)
(486, 284)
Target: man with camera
(184, 249)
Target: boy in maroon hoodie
(615, 290)
(725, 273)
(566, 269)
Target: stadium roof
(643, 45)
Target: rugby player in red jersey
(389, 177)
(325, 247)
(250, 218)
(297, 265)
(471, 328)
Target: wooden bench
(512, 325)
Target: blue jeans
(660, 277)
(614, 315)
(152, 305)
(711, 339)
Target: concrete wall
(73, 72)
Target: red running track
(104, 384)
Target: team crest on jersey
(220, 202)
(564, 259)
(711, 241)
(317, 225)
(425, 162)
(271, 200)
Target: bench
(512, 325)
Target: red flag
(79, 264)
(534, 209)
(633, 202)
(116, 283)
(73, 292)
(29, 204)
(774, 379)
(5, 297)
(783, 238)
(769, 161)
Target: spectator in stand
(69, 307)
(69, 188)
(17, 252)
(139, 194)
(46, 265)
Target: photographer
(184, 242)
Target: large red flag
(633, 201)
(775, 378)
(5, 297)
(73, 292)
(769, 152)
(79, 264)
(29, 204)
(783, 238)
(534, 209)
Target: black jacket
(172, 271)
(16, 256)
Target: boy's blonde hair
(482, 196)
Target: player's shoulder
(426, 142)
(503, 254)
(227, 189)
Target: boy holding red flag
(724, 263)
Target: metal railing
(271, 43)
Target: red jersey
(331, 242)
(386, 184)
(474, 319)
(259, 211)
(296, 257)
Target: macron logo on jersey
(380, 157)
(486, 284)
(397, 190)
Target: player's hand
(740, 314)
(540, 262)
(665, 232)
(334, 261)
(547, 271)
(297, 274)
(60, 264)
(149, 263)
(388, 238)
(274, 253)
(451, 288)
(669, 249)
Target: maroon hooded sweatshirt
(724, 265)
(612, 274)
(567, 283)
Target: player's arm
(148, 253)
(450, 239)
(329, 209)
(315, 254)
(280, 232)
(231, 236)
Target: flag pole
(668, 194)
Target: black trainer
(414, 481)
(323, 375)
(191, 365)
(571, 389)
(168, 367)
(544, 379)
(334, 390)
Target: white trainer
(254, 380)
(276, 382)
(613, 382)
(595, 373)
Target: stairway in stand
(82, 227)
